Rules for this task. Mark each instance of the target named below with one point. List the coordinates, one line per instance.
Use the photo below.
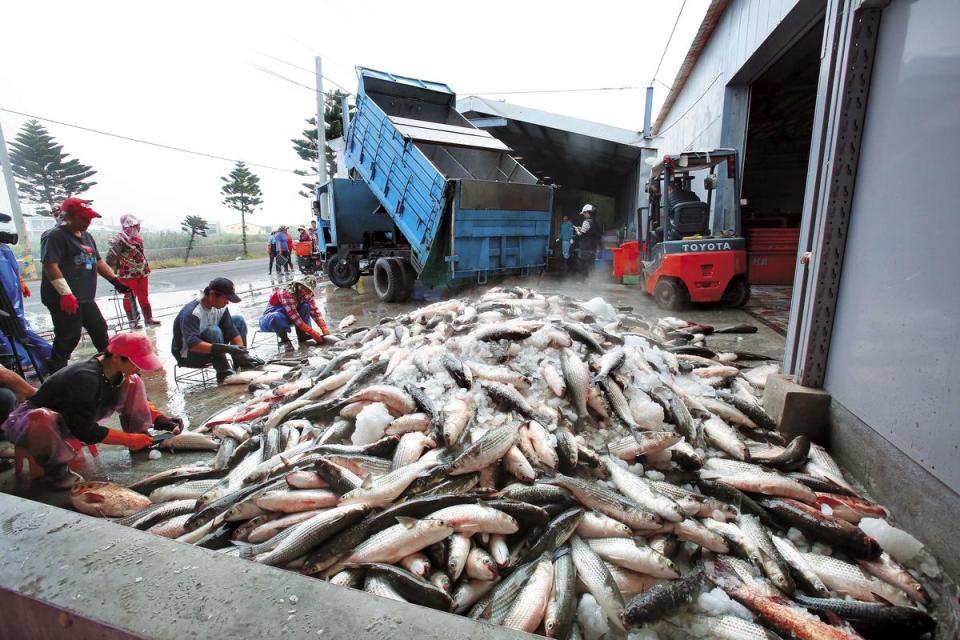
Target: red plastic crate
(772, 255)
(626, 259)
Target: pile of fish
(551, 466)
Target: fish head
(782, 581)
(550, 627)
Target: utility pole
(321, 137)
(345, 115)
(29, 270)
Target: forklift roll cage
(679, 167)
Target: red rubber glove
(315, 335)
(69, 304)
(132, 441)
(24, 289)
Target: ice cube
(592, 619)
(898, 543)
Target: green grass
(172, 263)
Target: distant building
(252, 229)
(38, 224)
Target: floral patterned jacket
(126, 257)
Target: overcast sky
(183, 74)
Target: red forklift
(693, 251)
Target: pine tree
(195, 226)
(306, 147)
(241, 192)
(44, 175)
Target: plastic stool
(258, 336)
(194, 376)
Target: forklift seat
(690, 218)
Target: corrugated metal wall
(694, 121)
(894, 356)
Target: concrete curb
(67, 575)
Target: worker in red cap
(72, 402)
(68, 288)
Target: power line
(147, 142)
(667, 46)
(282, 77)
(663, 84)
(289, 64)
(292, 81)
(506, 93)
(663, 130)
(313, 51)
(312, 72)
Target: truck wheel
(409, 278)
(388, 279)
(737, 293)
(671, 294)
(343, 272)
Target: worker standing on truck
(71, 402)
(68, 289)
(205, 332)
(588, 236)
(294, 305)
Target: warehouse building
(844, 114)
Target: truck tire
(671, 294)
(343, 272)
(388, 280)
(737, 294)
(409, 278)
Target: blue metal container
(467, 209)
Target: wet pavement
(197, 402)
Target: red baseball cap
(137, 348)
(79, 207)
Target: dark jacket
(80, 393)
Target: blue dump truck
(431, 197)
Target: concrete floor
(197, 402)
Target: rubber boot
(148, 318)
(285, 343)
(133, 320)
(221, 364)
